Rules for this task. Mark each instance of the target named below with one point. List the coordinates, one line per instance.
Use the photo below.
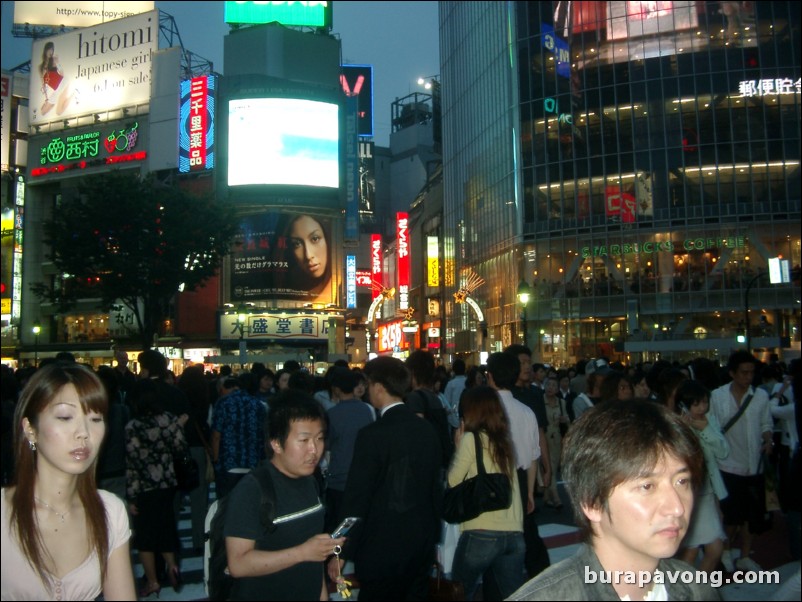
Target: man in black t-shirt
(285, 563)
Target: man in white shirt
(749, 437)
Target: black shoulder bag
(485, 492)
(737, 414)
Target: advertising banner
(357, 82)
(264, 326)
(284, 256)
(196, 124)
(5, 109)
(376, 261)
(432, 261)
(351, 172)
(76, 14)
(94, 69)
(350, 281)
(308, 14)
(402, 249)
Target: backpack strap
(267, 505)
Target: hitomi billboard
(94, 69)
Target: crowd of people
(88, 465)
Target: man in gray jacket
(630, 469)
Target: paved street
(559, 533)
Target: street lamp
(524, 294)
(37, 328)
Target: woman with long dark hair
(56, 91)
(195, 385)
(62, 538)
(493, 542)
(306, 249)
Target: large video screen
(283, 141)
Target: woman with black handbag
(153, 438)
(491, 545)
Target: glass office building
(635, 164)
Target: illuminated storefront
(653, 171)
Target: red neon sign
(391, 337)
(402, 249)
(61, 167)
(376, 263)
(198, 95)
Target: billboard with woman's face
(284, 256)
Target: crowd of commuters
(88, 466)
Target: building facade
(635, 170)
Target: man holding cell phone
(282, 560)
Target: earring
(32, 445)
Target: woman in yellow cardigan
(491, 545)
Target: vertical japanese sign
(351, 171)
(376, 264)
(432, 262)
(402, 249)
(350, 281)
(196, 124)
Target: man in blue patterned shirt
(238, 435)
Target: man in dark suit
(394, 486)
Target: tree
(134, 240)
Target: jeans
(500, 553)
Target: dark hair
(391, 373)
(248, 382)
(472, 376)
(458, 366)
(517, 349)
(294, 277)
(739, 357)
(504, 367)
(706, 371)
(45, 384)
(230, 382)
(65, 356)
(290, 406)
(609, 386)
(668, 382)
(111, 381)
(145, 398)
(47, 62)
(689, 393)
(292, 365)
(302, 381)
(482, 412)
(154, 362)
(421, 366)
(195, 385)
(614, 442)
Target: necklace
(61, 515)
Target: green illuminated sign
(87, 145)
(309, 14)
(648, 247)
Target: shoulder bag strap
(738, 414)
(480, 465)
